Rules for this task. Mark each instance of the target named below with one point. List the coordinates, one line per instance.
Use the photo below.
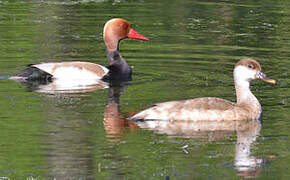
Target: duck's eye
(250, 66)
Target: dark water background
(191, 53)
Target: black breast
(118, 69)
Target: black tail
(35, 74)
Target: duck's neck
(244, 95)
(118, 68)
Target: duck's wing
(209, 108)
(75, 70)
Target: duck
(114, 31)
(246, 107)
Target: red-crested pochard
(212, 108)
(114, 31)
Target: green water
(191, 53)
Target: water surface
(191, 53)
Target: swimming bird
(114, 31)
(212, 108)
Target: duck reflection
(247, 132)
(69, 144)
(68, 141)
(246, 165)
(59, 87)
(115, 122)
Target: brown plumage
(212, 108)
(250, 63)
(114, 31)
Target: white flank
(47, 67)
(52, 67)
(72, 74)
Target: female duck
(212, 108)
(114, 31)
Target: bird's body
(114, 31)
(199, 109)
(212, 108)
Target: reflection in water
(68, 144)
(115, 124)
(114, 121)
(57, 86)
(247, 166)
(68, 148)
(247, 132)
(192, 48)
(68, 139)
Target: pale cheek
(243, 73)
